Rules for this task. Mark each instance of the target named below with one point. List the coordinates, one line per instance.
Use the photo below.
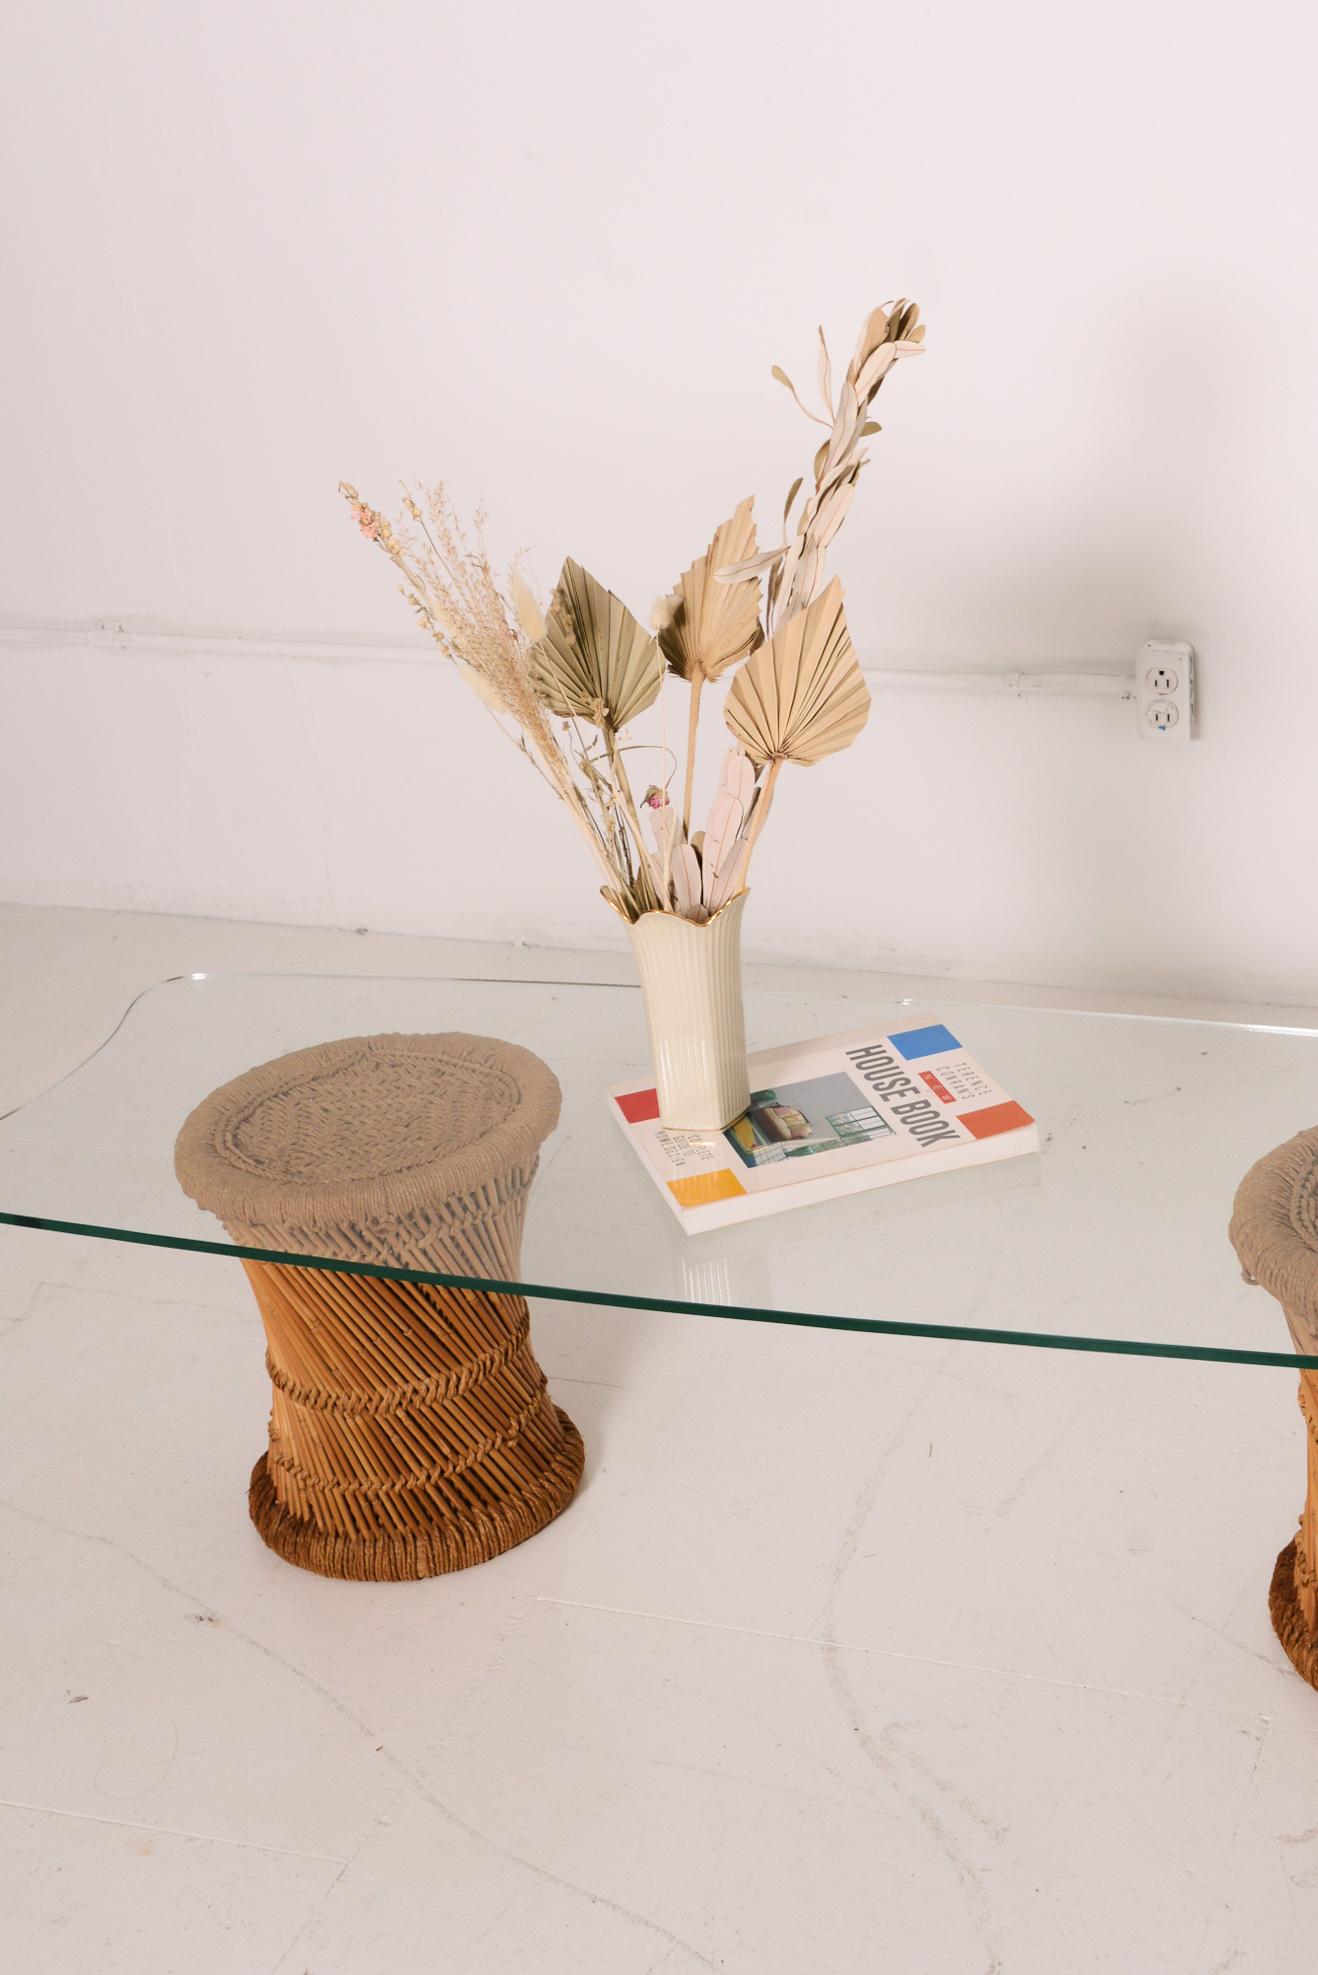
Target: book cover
(828, 1117)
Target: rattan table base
(410, 1429)
(1293, 1594)
(1298, 1639)
(1275, 1231)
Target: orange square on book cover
(997, 1118)
(700, 1188)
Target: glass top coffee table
(1112, 1238)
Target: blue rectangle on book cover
(933, 1041)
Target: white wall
(549, 252)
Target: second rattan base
(425, 1552)
(1300, 1646)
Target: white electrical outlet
(1164, 690)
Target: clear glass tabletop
(1112, 1238)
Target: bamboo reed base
(410, 1429)
(1274, 1229)
(1293, 1595)
(1299, 1641)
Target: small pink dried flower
(366, 518)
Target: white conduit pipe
(106, 635)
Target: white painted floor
(850, 1656)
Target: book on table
(835, 1115)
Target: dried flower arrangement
(567, 684)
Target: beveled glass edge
(681, 1306)
(503, 980)
(610, 1299)
(154, 987)
(840, 994)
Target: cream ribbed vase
(691, 984)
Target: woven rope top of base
(369, 1129)
(1275, 1232)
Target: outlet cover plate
(1164, 690)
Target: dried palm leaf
(737, 778)
(876, 367)
(730, 877)
(825, 372)
(686, 884)
(792, 493)
(781, 376)
(802, 695)
(833, 508)
(727, 819)
(595, 662)
(662, 818)
(712, 624)
(886, 335)
(845, 425)
(873, 331)
(663, 821)
(742, 572)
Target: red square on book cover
(639, 1106)
(997, 1118)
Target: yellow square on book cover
(700, 1188)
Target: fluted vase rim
(696, 925)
